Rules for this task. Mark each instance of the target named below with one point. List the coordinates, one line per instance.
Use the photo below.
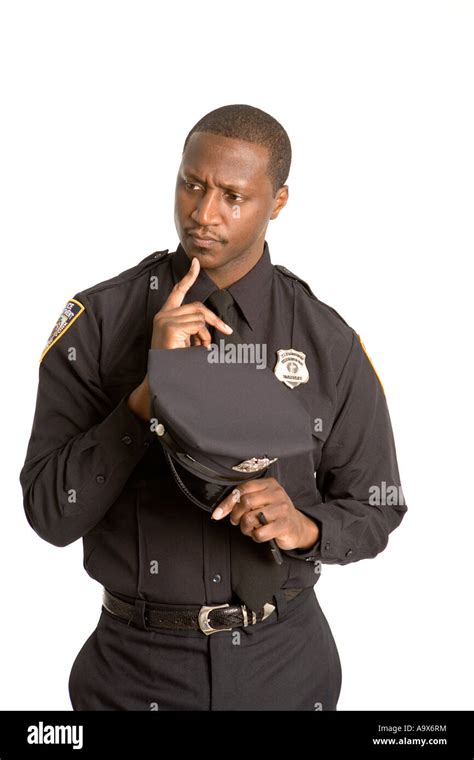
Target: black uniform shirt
(95, 470)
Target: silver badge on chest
(291, 367)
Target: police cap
(222, 424)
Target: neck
(234, 270)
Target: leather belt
(209, 618)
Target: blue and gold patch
(69, 314)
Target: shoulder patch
(370, 362)
(69, 314)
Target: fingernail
(228, 328)
(217, 513)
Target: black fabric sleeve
(357, 477)
(82, 449)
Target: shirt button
(100, 479)
(126, 439)
(348, 552)
(217, 578)
(327, 545)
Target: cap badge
(254, 464)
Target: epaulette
(128, 274)
(294, 276)
(154, 257)
(307, 288)
(74, 307)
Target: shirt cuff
(124, 435)
(120, 441)
(332, 546)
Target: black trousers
(287, 662)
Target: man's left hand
(290, 528)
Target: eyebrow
(234, 188)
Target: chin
(207, 259)
(207, 256)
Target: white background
(97, 98)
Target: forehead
(225, 158)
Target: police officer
(174, 633)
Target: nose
(207, 212)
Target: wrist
(309, 533)
(139, 401)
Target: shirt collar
(250, 292)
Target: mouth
(202, 242)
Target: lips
(202, 242)
(201, 237)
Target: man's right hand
(177, 326)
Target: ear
(281, 199)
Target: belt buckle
(203, 619)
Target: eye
(234, 197)
(190, 185)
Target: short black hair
(244, 122)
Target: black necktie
(256, 577)
(222, 303)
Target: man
(167, 638)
